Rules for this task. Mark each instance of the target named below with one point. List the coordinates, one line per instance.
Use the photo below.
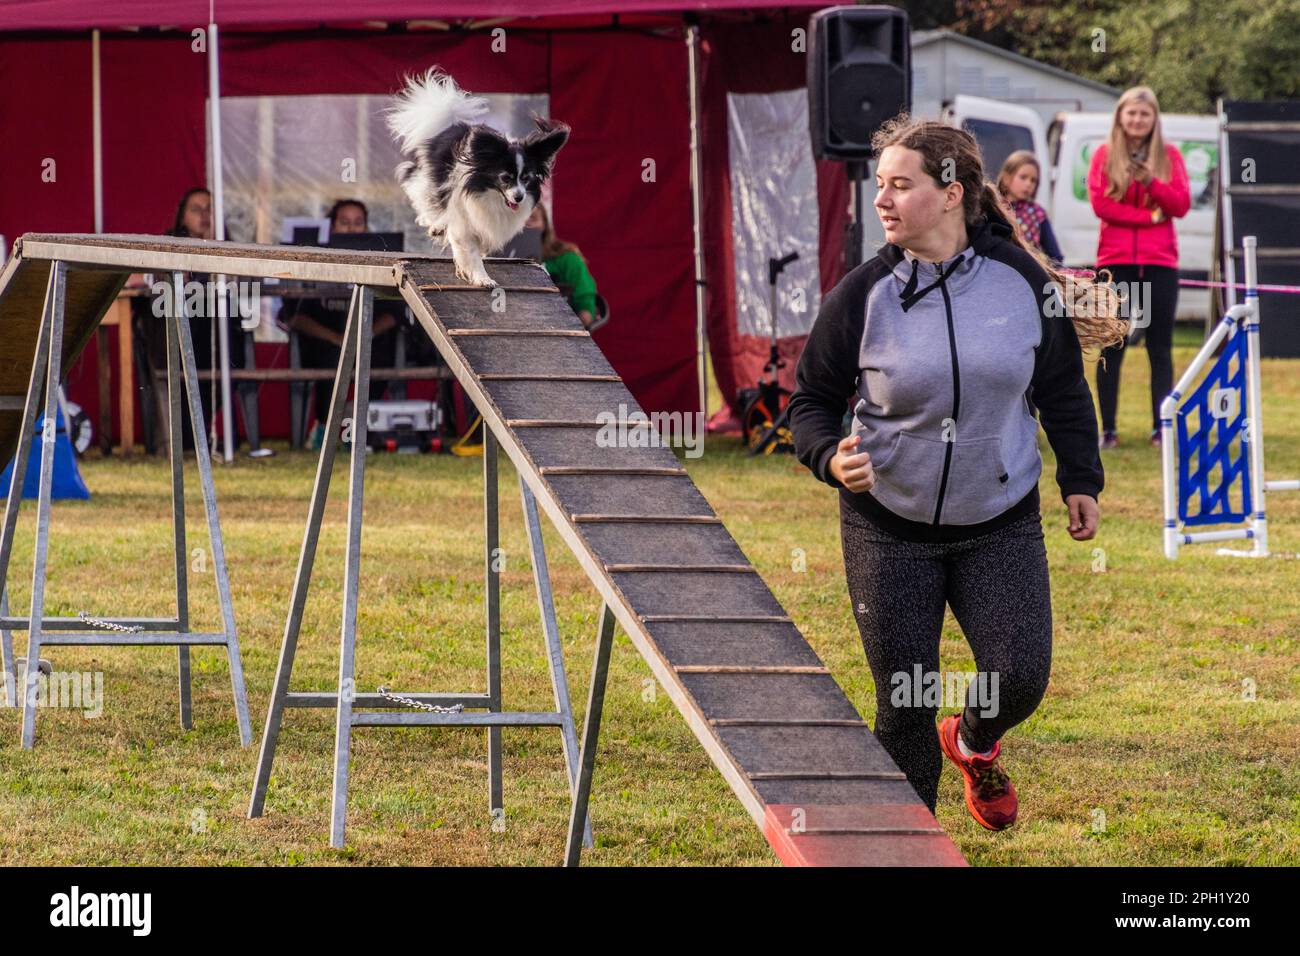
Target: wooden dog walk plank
(753, 644)
(22, 302)
(780, 730)
(558, 399)
(54, 291)
(811, 792)
(666, 592)
(662, 544)
(769, 695)
(629, 494)
(884, 834)
(582, 445)
(464, 310)
(777, 748)
(548, 355)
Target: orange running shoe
(990, 795)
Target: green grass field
(1144, 752)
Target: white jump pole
(697, 206)
(1254, 407)
(219, 233)
(97, 130)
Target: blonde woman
(1138, 187)
(953, 337)
(1018, 185)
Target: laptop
(371, 241)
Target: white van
(1065, 149)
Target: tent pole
(97, 133)
(219, 232)
(692, 46)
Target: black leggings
(1160, 309)
(997, 586)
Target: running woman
(954, 336)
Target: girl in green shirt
(566, 266)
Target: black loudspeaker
(859, 76)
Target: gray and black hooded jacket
(950, 363)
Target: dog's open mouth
(512, 205)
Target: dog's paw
(478, 277)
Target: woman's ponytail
(1093, 306)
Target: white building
(945, 64)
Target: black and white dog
(470, 184)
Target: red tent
(618, 73)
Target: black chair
(299, 391)
(151, 369)
(602, 313)
(602, 306)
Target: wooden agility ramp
(802, 761)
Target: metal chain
(109, 625)
(418, 705)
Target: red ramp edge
(855, 835)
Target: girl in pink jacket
(1138, 187)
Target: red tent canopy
(86, 14)
(625, 92)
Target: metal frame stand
(1239, 320)
(590, 731)
(354, 368)
(81, 631)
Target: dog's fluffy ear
(485, 146)
(542, 144)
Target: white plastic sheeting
(296, 155)
(773, 210)
(292, 157)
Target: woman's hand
(852, 469)
(1084, 516)
(1140, 171)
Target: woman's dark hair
(553, 245)
(951, 155)
(178, 221)
(340, 204)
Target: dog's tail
(428, 105)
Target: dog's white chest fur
(476, 224)
(485, 219)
